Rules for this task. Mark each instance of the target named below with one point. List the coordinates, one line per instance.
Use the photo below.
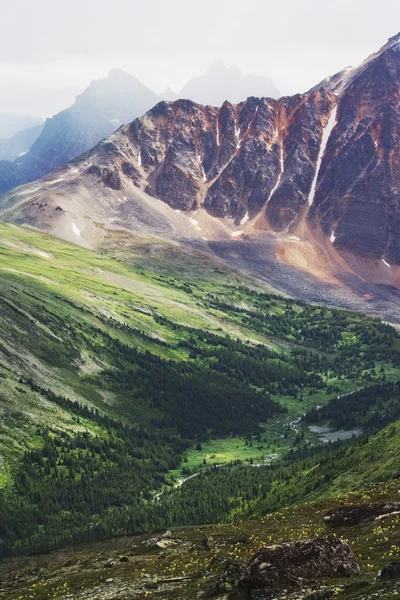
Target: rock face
(237, 159)
(361, 513)
(296, 563)
(358, 194)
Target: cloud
(165, 42)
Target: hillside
(115, 366)
(181, 567)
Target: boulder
(207, 543)
(296, 564)
(391, 571)
(360, 513)
(167, 535)
(123, 559)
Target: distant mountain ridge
(105, 105)
(19, 143)
(220, 83)
(12, 124)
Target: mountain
(11, 124)
(301, 191)
(169, 95)
(19, 143)
(143, 374)
(103, 107)
(357, 201)
(222, 83)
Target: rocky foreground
(293, 554)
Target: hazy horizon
(50, 53)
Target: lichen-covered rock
(297, 563)
(391, 571)
(360, 513)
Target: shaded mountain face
(320, 167)
(222, 83)
(12, 124)
(18, 144)
(103, 107)
(357, 201)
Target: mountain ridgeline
(103, 107)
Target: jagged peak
(217, 66)
(118, 74)
(393, 41)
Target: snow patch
(295, 238)
(139, 158)
(193, 221)
(204, 238)
(22, 153)
(204, 174)
(281, 168)
(333, 236)
(386, 263)
(325, 138)
(245, 219)
(237, 135)
(236, 233)
(217, 133)
(75, 230)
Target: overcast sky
(51, 49)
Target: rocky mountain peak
(323, 165)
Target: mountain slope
(357, 198)
(12, 124)
(19, 143)
(301, 191)
(220, 83)
(103, 107)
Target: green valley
(124, 371)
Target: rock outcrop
(297, 563)
(391, 571)
(360, 513)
